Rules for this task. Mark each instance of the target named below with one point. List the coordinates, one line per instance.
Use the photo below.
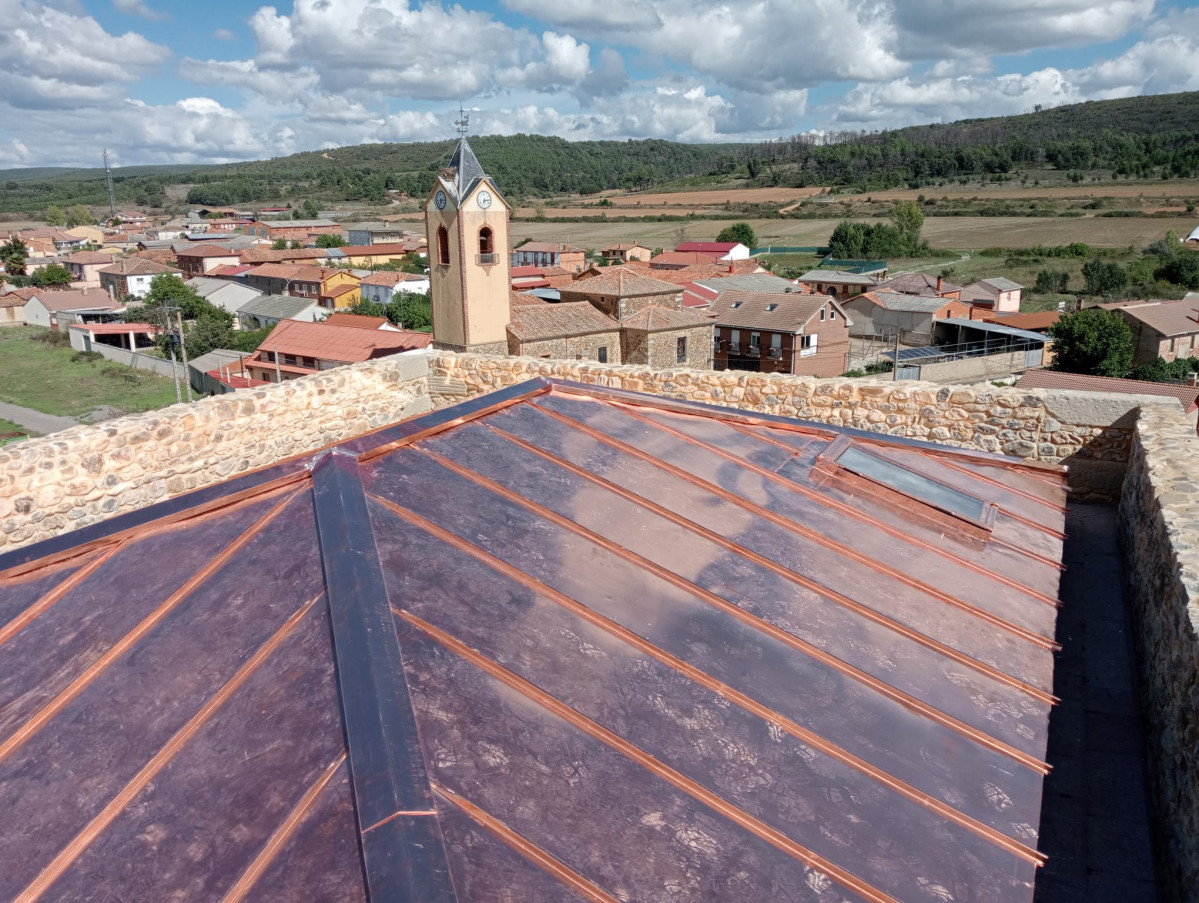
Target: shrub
(54, 338)
(854, 374)
(86, 357)
(880, 367)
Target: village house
(920, 284)
(381, 286)
(997, 294)
(374, 233)
(284, 255)
(679, 260)
(268, 310)
(716, 250)
(1165, 329)
(85, 266)
(196, 260)
(526, 278)
(295, 349)
(127, 336)
(570, 330)
(49, 241)
(623, 252)
(837, 284)
(12, 303)
(549, 254)
(620, 292)
(333, 288)
(226, 294)
(92, 235)
(368, 255)
(910, 318)
(59, 309)
(130, 277)
(804, 334)
(358, 321)
(293, 229)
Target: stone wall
(88, 473)
(1090, 432)
(1159, 525)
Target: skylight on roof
(770, 307)
(858, 460)
(735, 305)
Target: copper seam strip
(723, 690)
(812, 535)
(43, 604)
(458, 421)
(47, 565)
(847, 510)
(756, 623)
(526, 848)
(281, 835)
(44, 715)
(805, 428)
(775, 838)
(1013, 489)
(779, 570)
(130, 791)
(172, 521)
(399, 814)
(1006, 512)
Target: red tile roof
(89, 257)
(791, 312)
(536, 322)
(1188, 396)
(138, 266)
(338, 343)
(680, 259)
(708, 247)
(270, 255)
(237, 382)
(355, 321)
(206, 250)
(1036, 322)
(655, 318)
(1167, 318)
(77, 299)
(621, 282)
(116, 328)
(389, 278)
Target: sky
(214, 81)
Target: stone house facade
(1166, 329)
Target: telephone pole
(187, 377)
(112, 200)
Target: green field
(44, 377)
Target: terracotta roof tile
(535, 322)
(655, 318)
(622, 282)
(206, 250)
(1054, 379)
(767, 310)
(340, 343)
(1166, 317)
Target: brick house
(780, 333)
(203, 258)
(549, 254)
(381, 287)
(1166, 329)
(294, 229)
(921, 284)
(85, 266)
(997, 294)
(130, 277)
(333, 288)
(886, 315)
(836, 284)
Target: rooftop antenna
(112, 201)
(462, 123)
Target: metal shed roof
(555, 642)
(997, 329)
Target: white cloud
(224, 34)
(139, 8)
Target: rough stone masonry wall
(1159, 525)
(89, 473)
(1088, 431)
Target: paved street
(34, 421)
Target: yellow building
(93, 234)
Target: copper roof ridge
(734, 611)
(863, 516)
(786, 573)
(42, 716)
(280, 836)
(813, 535)
(525, 847)
(701, 677)
(677, 779)
(96, 826)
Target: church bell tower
(466, 221)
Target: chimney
(730, 266)
(939, 280)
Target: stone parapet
(1090, 432)
(1159, 526)
(89, 473)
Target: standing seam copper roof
(555, 642)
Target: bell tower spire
(466, 222)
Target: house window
(832, 313)
(755, 343)
(680, 351)
(822, 315)
(603, 354)
(807, 345)
(735, 341)
(443, 246)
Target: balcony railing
(487, 259)
(734, 347)
(775, 353)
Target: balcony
(775, 353)
(487, 259)
(734, 347)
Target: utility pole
(278, 373)
(187, 381)
(175, 372)
(895, 365)
(112, 201)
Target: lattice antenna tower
(462, 123)
(112, 200)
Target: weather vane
(463, 121)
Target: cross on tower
(463, 121)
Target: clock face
(484, 199)
(439, 200)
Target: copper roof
(555, 642)
(1187, 396)
(622, 282)
(533, 322)
(1167, 318)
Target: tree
(1092, 341)
(54, 274)
(1103, 277)
(55, 216)
(1051, 282)
(739, 232)
(280, 244)
(367, 308)
(168, 290)
(331, 241)
(411, 310)
(1181, 269)
(13, 255)
(310, 210)
(79, 215)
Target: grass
(37, 375)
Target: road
(35, 421)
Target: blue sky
(163, 81)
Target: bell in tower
(466, 221)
